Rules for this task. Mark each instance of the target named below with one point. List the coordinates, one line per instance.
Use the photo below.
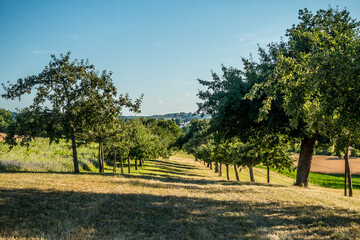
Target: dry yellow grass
(171, 199)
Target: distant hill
(180, 118)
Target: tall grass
(40, 156)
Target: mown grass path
(170, 199)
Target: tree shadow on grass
(184, 180)
(162, 171)
(78, 215)
(172, 164)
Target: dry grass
(171, 199)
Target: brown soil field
(331, 164)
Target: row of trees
(303, 89)
(205, 145)
(140, 140)
(72, 101)
(75, 102)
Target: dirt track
(332, 164)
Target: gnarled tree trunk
(220, 169)
(306, 153)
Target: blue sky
(158, 48)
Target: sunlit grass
(40, 156)
(171, 199)
(179, 198)
(325, 179)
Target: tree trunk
(140, 163)
(211, 165)
(345, 182)
(114, 169)
(73, 145)
(129, 164)
(347, 167)
(136, 164)
(208, 165)
(220, 169)
(121, 166)
(100, 167)
(102, 157)
(227, 171)
(268, 174)
(306, 153)
(236, 173)
(216, 167)
(251, 173)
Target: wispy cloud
(188, 94)
(73, 36)
(159, 100)
(185, 82)
(159, 44)
(37, 51)
(257, 38)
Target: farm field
(171, 199)
(332, 164)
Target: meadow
(42, 157)
(178, 198)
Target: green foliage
(354, 152)
(6, 119)
(205, 152)
(196, 136)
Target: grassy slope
(173, 199)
